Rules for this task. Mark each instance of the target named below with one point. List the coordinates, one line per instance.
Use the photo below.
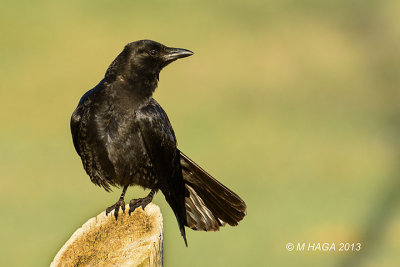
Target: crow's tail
(209, 204)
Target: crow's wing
(160, 142)
(75, 128)
(97, 167)
(77, 117)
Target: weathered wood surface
(134, 240)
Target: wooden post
(134, 240)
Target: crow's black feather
(124, 138)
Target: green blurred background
(292, 104)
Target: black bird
(124, 138)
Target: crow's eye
(153, 52)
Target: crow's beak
(175, 53)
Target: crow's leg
(141, 202)
(120, 204)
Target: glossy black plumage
(124, 138)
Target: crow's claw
(120, 204)
(139, 202)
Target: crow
(124, 138)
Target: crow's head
(144, 58)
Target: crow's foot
(140, 202)
(120, 204)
